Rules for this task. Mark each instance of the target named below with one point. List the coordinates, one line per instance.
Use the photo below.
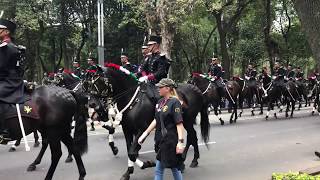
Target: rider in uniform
(290, 73)
(251, 75)
(154, 68)
(77, 70)
(93, 67)
(156, 65)
(11, 75)
(299, 74)
(126, 63)
(216, 73)
(280, 75)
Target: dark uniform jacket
(299, 75)
(11, 74)
(216, 70)
(78, 72)
(251, 73)
(290, 74)
(169, 112)
(280, 73)
(156, 67)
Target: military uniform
(250, 76)
(78, 72)
(299, 75)
(216, 71)
(290, 74)
(12, 62)
(280, 74)
(156, 67)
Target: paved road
(250, 150)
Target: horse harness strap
(230, 95)
(207, 88)
(119, 114)
(244, 85)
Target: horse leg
(193, 140)
(293, 107)
(268, 110)
(314, 105)
(68, 141)
(218, 115)
(69, 158)
(37, 161)
(56, 153)
(232, 113)
(111, 130)
(130, 170)
(36, 139)
(241, 105)
(235, 110)
(14, 147)
(288, 107)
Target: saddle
(27, 110)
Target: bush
(293, 176)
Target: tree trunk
(309, 14)
(267, 27)
(223, 45)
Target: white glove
(247, 77)
(143, 79)
(143, 137)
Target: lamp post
(100, 32)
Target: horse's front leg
(37, 161)
(14, 147)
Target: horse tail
(80, 117)
(205, 124)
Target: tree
(309, 14)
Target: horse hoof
(267, 117)
(69, 159)
(81, 178)
(92, 129)
(36, 144)
(12, 149)
(291, 116)
(194, 164)
(31, 167)
(115, 151)
(312, 113)
(221, 122)
(220, 112)
(275, 115)
(287, 115)
(231, 121)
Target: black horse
(210, 92)
(274, 91)
(54, 124)
(302, 91)
(139, 111)
(249, 90)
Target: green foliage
(293, 176)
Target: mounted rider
(11, 74)
(279, 75)
(77, 70)
(290, 73)
(94, 68)
(216, 72)
(251, 75)
(154, 68)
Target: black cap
(6, 24)
(154, 39)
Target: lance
(26, 145)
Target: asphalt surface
(252, 149)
